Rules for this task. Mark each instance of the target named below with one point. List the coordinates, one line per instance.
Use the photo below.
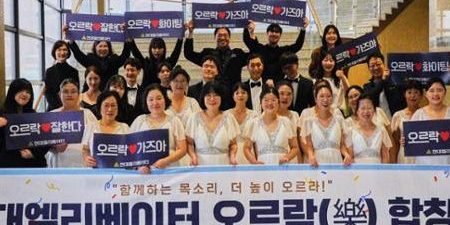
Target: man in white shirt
(255, 66)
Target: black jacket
(54, 75)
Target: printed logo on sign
(427, 137)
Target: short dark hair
(133, 62)
(356, 87)
(218, 28)
(178, 70)
(321, 84)
(212, 87)
(151, 87)
(69, 81)
(365, 96)
(110, 49)
(284, 83)
(105, 95)
(215, 60)
(413, 84)
(288, 58)
(162, 64)
(274, 27)
(376, 55)
(268, 90)
(59, 44)
(254, 56)
(434, 80)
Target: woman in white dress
(108, 106)
(155, 102)
(413, 96)
(182, 106)
(435, 92)
(367, 141)
(69, 155)
(212, 134)
(352, 95)
(285, 90)
(335, 77)
(242, 115)
(271, 136)
(322, 133)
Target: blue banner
(130, 150)
(88, 27)
(154, 24)
(425, 138)
(28, 130)
(356, 51)
(233, 15)
(282, 12)
(419, 66)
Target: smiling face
(93, 81)
(331, 37)
(273, 37)
(117, 87)
(102, 49)
(324, 98)
(131, 74)
(270, 103)
(222, 38)
(255, 68)
(155, 101)
(413, 97)
(209, 70)
(365, 110)
(62, 53)
(328, 63)
(164, 74)
(109, 108)
(158, 53)
(22, 97)
(286, 96)
(69, 95)
(352, 97)
(179, 84)
(376, 67)
(436, 94)
(212, 101)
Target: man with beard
(271, 51)
(230, 60)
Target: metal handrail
(317, 21)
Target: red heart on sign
(46, 127)
(155, 23)
(132, 148)
(277, 10)
(96, 26)
(445, 135)
(222, 15)
(353, 51)
(418, 66)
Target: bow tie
(131, 88)
(253, 84)
(294, 80)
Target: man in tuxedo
(210, 72)
(133, 68)
(303, 87)
(230, 60)
(255, 66)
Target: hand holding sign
(3, 121)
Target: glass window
(54, 3)
(115, 7)
(52, 23)
(30, 16)
(30, 58)
(10, 55)
(8, 9)
(48, 53)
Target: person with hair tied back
(58, 72)
(436, 109)
(19, 99)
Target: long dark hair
(325, 31)
(15, 87)
(321, 71)
(157, 42)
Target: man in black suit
(230, 60)
(303, 87)
(210, 71)
(255, 66)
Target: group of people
(278, 116)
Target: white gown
(326, 141)
(367, 149)
(397, 124)
(294, 118)
(270, 147)
(172, 123)
(72, 156)
(191, 106)
(379, 118)
(240, 156)
(212, 147)
(421, 114)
